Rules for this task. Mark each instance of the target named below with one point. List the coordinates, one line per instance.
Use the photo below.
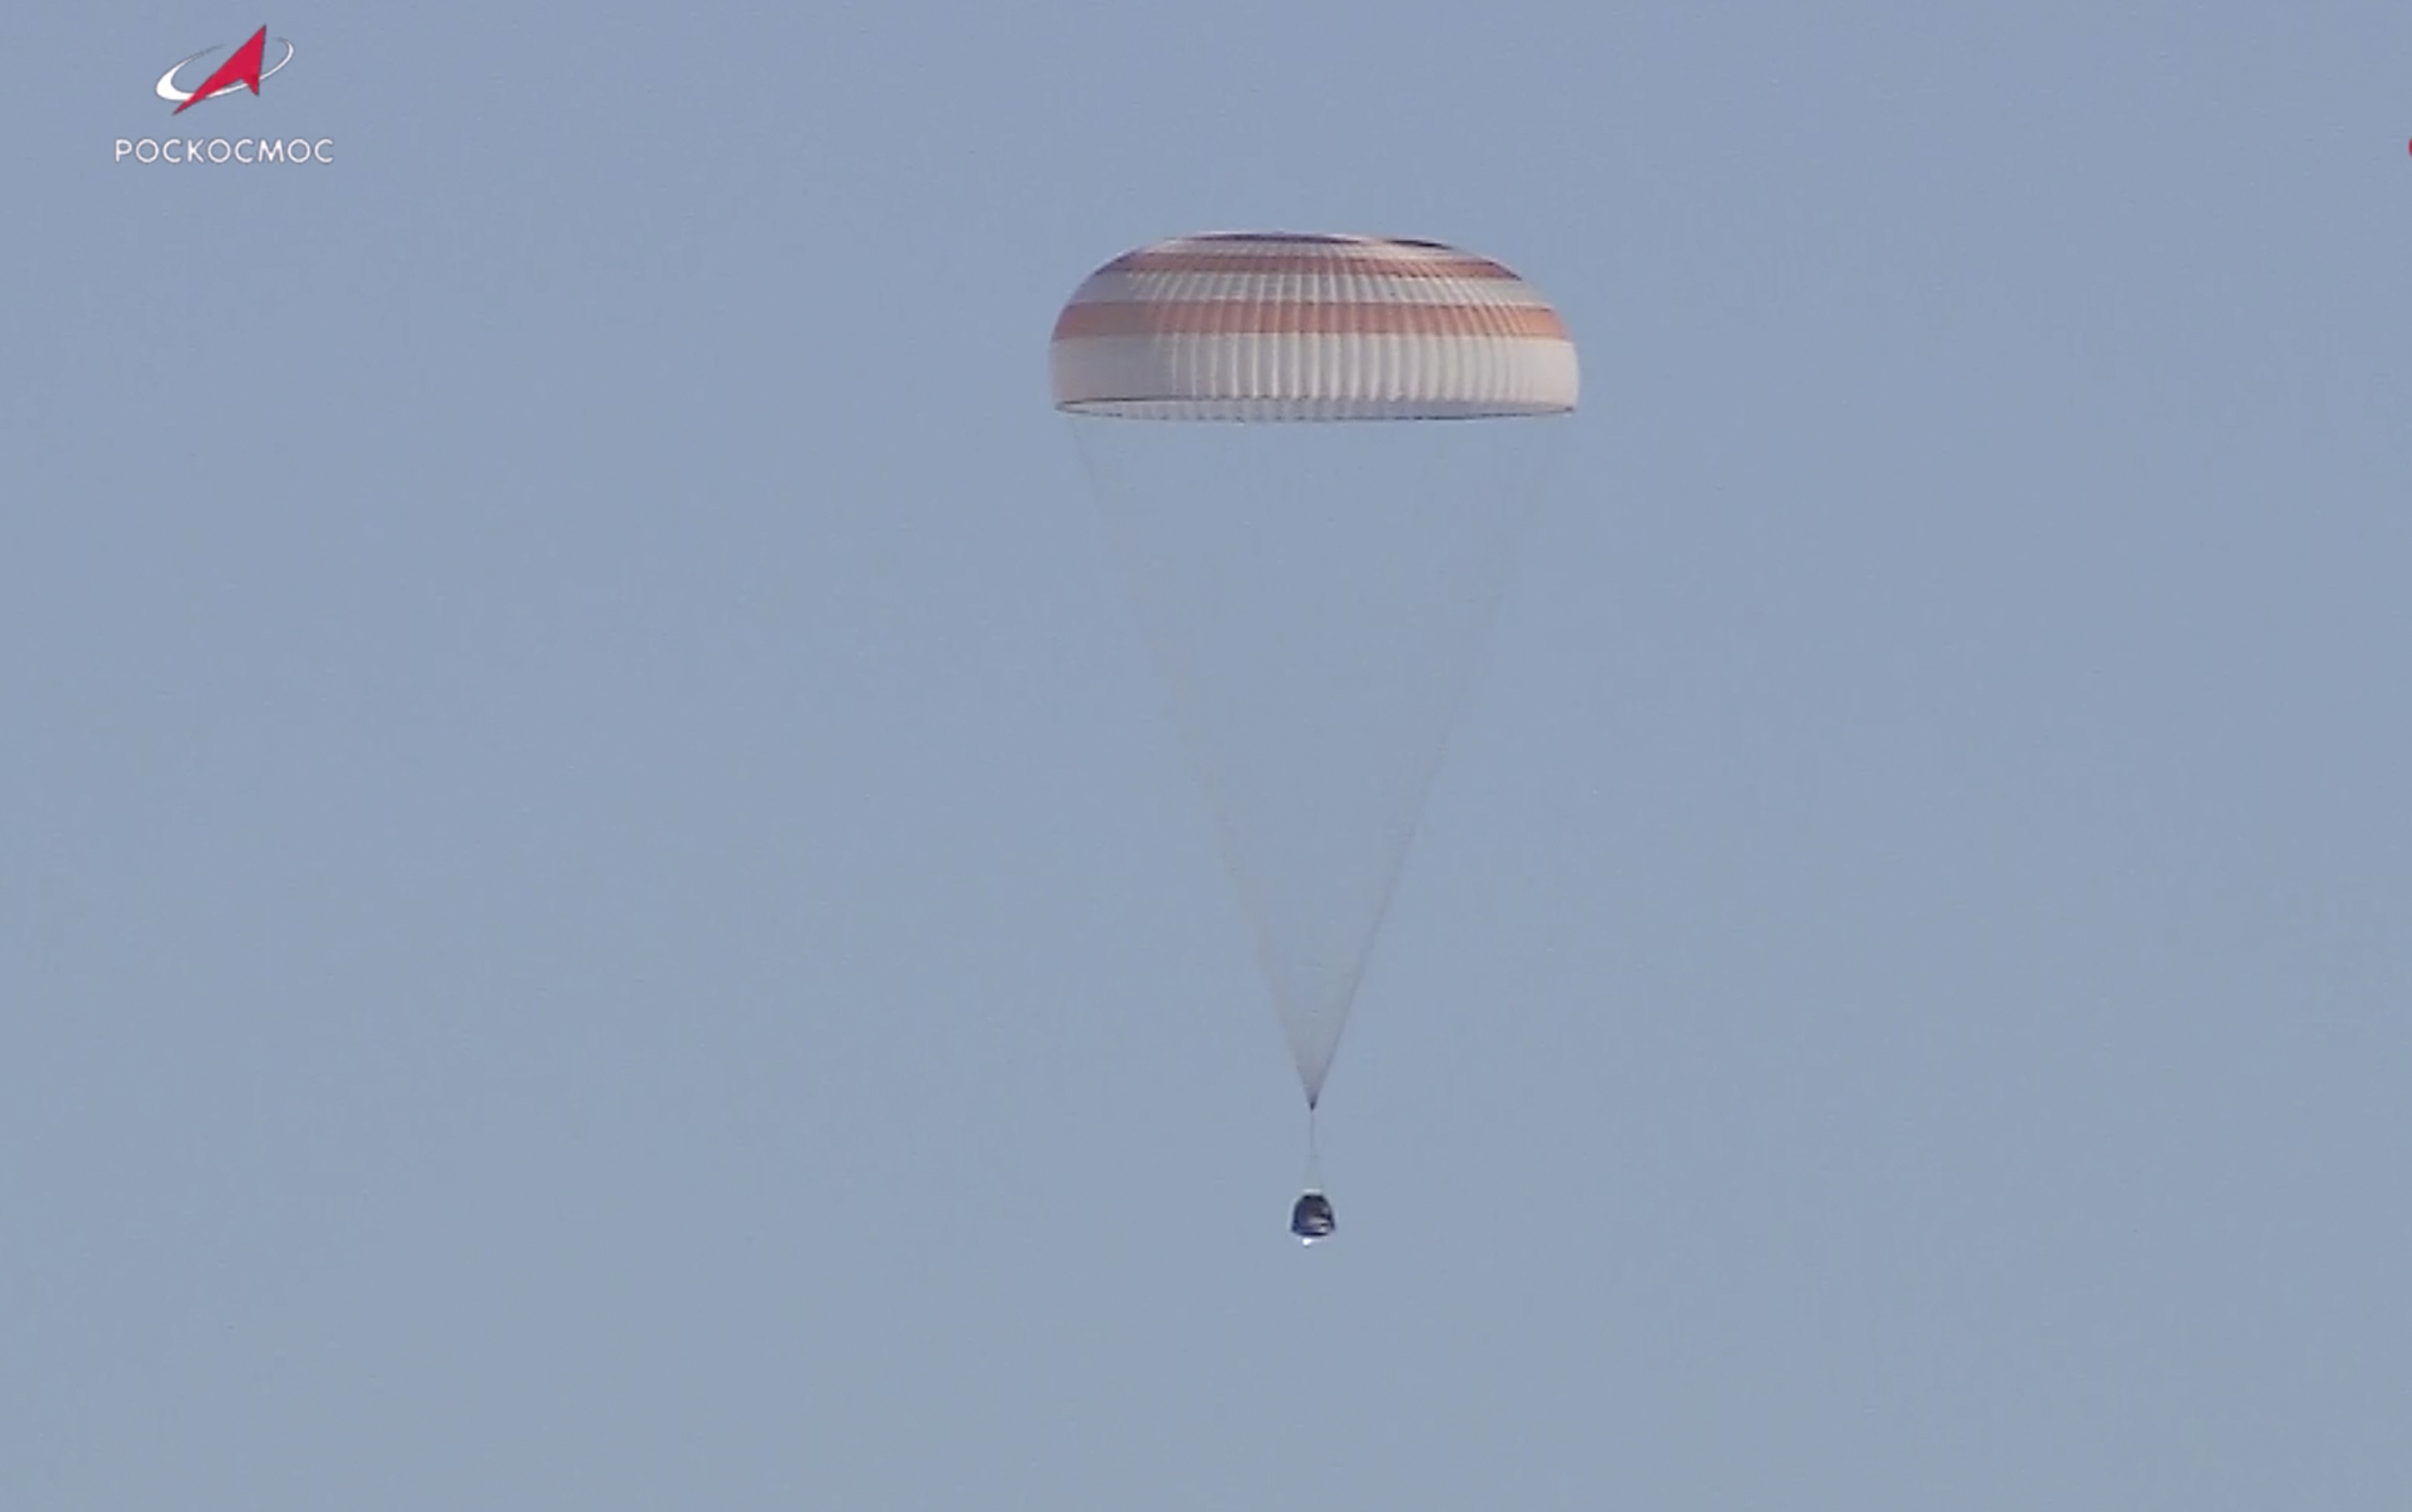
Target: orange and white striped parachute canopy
(1276, 326)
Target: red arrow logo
(242, 68)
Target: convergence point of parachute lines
(1315, 560)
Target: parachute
(1315, 456)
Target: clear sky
(598, 909)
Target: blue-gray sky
(597, 907)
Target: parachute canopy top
(1276, 326)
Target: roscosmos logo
(246, 68)
(241, 71)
